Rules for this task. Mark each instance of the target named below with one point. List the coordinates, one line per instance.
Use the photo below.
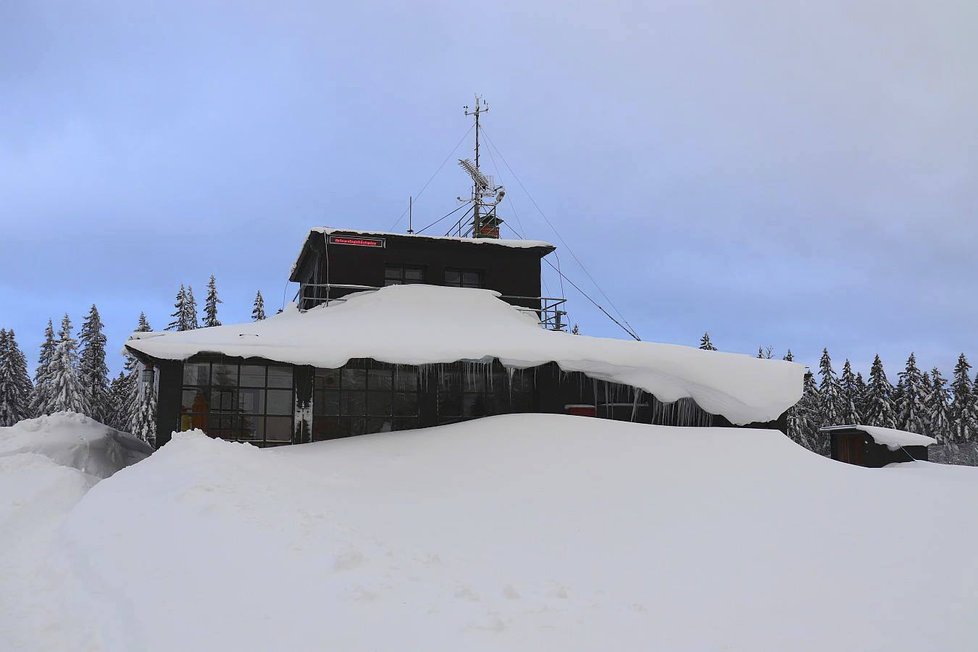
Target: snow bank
(46, 466)
(895, 439)
(423, 324)
(74, 440)
(499, 242)
(526, 532)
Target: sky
(787, 174)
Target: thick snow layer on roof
(517, 533)
(422, 324)
(518, 244)
(894, 439)
(74, 440)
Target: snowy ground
(521, 532)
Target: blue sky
(797, 174)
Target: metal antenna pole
(480, 106)
(410, 214)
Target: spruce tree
(789, 356)
(848, 396)
(143, 326)
(210, 306)
(862, 391)
(258, 310)
(43, 392)
(828, 392)
(911, 409)
(765, 353)
(938, 410)
(92, 370)
(190, 312)
(179, 311)
(879, 397)
(16, 388)
(128, 389)
(67, 392)
(119, 402)
(706, 344)
(803, 418)
(962, 412)
(144, 422)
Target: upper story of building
(335, 262)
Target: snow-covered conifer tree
(67, 392)
(765, 353)
(803, 417)
(862, 392)
(828, 392)
(911, 410)
(127, 387)
(120, 402)
(15, 383)
(179, 311)
(879, 398)
(92, 370)
(43, 393)
(848, 396)
(143, 326)
(210, 306)
(190, 315)
(144, 424)
(258, 310)
(962, 412)
(938, 421)
(575, 330)
(16, 388)
(789, 356)
(706, 344)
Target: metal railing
(548, 311)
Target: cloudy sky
(787, 174)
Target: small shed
(876, 447)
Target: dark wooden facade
(351, 258)
(854, 446)
(267, 403)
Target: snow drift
(46, 466)
(424, 324)
(524, 532)
(74, 440)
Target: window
(469, 391)
(240, 402)
(463, 278)
(403, 275)
(364, 397)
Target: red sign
(356, 242)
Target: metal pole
(410, 214)
(476, 219)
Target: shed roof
(889, 437)
(425, 324)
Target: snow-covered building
(400, 331)
(874, 446)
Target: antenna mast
(482, 186)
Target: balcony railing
(549, 311)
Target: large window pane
(380, 379)
(354, 379)
(452, 277)
(195, 400)
(413, 275)
(379, 403)
(405, 380)
(224, 375)
(353, 403)
(279, 401)
(252, 375)
(196, 373)
(251, 401)
(278, 429)
(405, 405)
(280, 377)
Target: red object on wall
(356, 242)
(581, 410)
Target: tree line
(921, 401)
(72, 374)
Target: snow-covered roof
(889, 437)
(424, 324)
